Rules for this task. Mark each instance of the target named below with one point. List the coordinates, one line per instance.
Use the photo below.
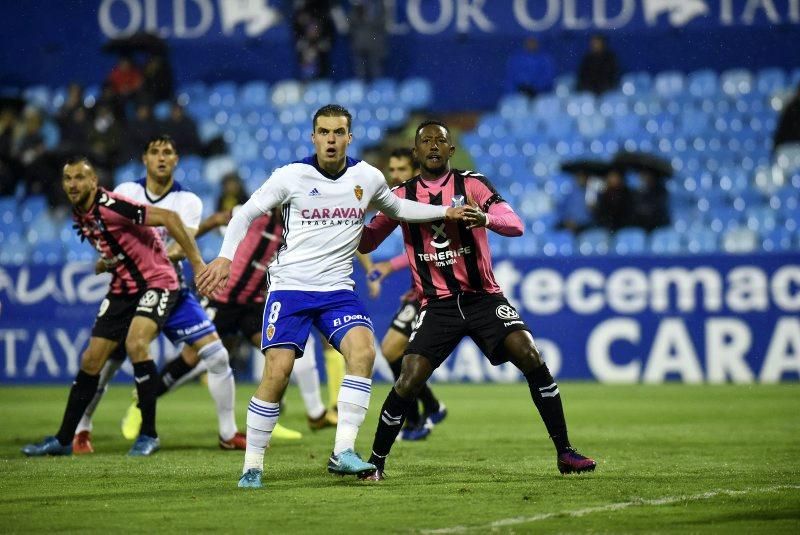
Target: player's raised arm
(411, 211)
(159, 217)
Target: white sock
(305, 373)
(261, 419)
(353, 404)
(221, 386)
(106, 374)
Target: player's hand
(474, 217)
(213, 277)
(454, 214)
(379, 272)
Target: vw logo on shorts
(506, 312)
(149, 299)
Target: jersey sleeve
(190, 210)
(405, 210)
(375, 232)
(124, 208)
(274, 192)
(482, 191)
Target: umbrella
(589, 167)
(644, 162)
(138, 42)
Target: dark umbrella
(589, 167)
(138, 42)
(644, 162)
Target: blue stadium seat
(702, 241)
(14, 253)
(703, 84)
(736, 82)
(776, 240)
(286, 93)
(740, 240)
(49, 252)
(666, 241)
(223, 95)
(350, 92)
(594, 242)
(416, 93)
(630, 241)
(761, 219)
(560, 243)
(255, 94)
(669, 84)
(636, 83)
(770, 81)
(32, 208)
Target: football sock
(397, 367)
(83, 390)
(221, 386)
(305, 373)
(429, 402)
(413, 418)
(261, 419)
(547, 399)
(146, 376)
(391, 420)
(334, 369)
(170, 374)
(353, 404)
(106, 374)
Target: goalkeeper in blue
(324, 199)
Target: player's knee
(390, 352)
(363, 353)
(215, 356)
(91, 362)
(528, 359)
(412, 377)
(137, 347)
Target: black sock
(80, 395)
(170, 375)
(413, 418)
(547, 399)
(391, 420)
(429, 402)
(146, 376)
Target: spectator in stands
(614, 209)
(158, 83)
(74, 127)
(125, 78)
(142, 128)
(9, 167)
(28, 142)
(232, 194)
(106, 138)
(651, 202)
(313, 31)
(575, 212)
(368, 38)
(530, 71)
(788, 130)
(599, 71)
(183, 130)
(73, 101)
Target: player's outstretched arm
(159, 217)
(500, 218)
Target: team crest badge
(270, 331)
(359, 191)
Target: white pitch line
(667, 500)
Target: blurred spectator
(651, 202)
(599, 71)
(788, 130)
(9, 167)
(28, 144)
(232, 194)
(73, 121)
(368, 38)
(614, 208)
(141, 129)
(575, 210)
(313, 32)
(105, 138)
(73, 101)
(125, 78)
(183, 130)
(530, 71)
(158, 84)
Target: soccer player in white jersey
(188, 322)
(324, 199)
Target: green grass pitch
(671, 458)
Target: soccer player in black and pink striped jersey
(452, 272)
(142, 292)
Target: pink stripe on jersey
(114, 225)
(248, 281)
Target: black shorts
(486, 318)
(117, 311)
(405, 317)
(233, 318)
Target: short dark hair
(78, 158)
(430, 122)
(160, 138)
(332, 110)
(404, 152)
